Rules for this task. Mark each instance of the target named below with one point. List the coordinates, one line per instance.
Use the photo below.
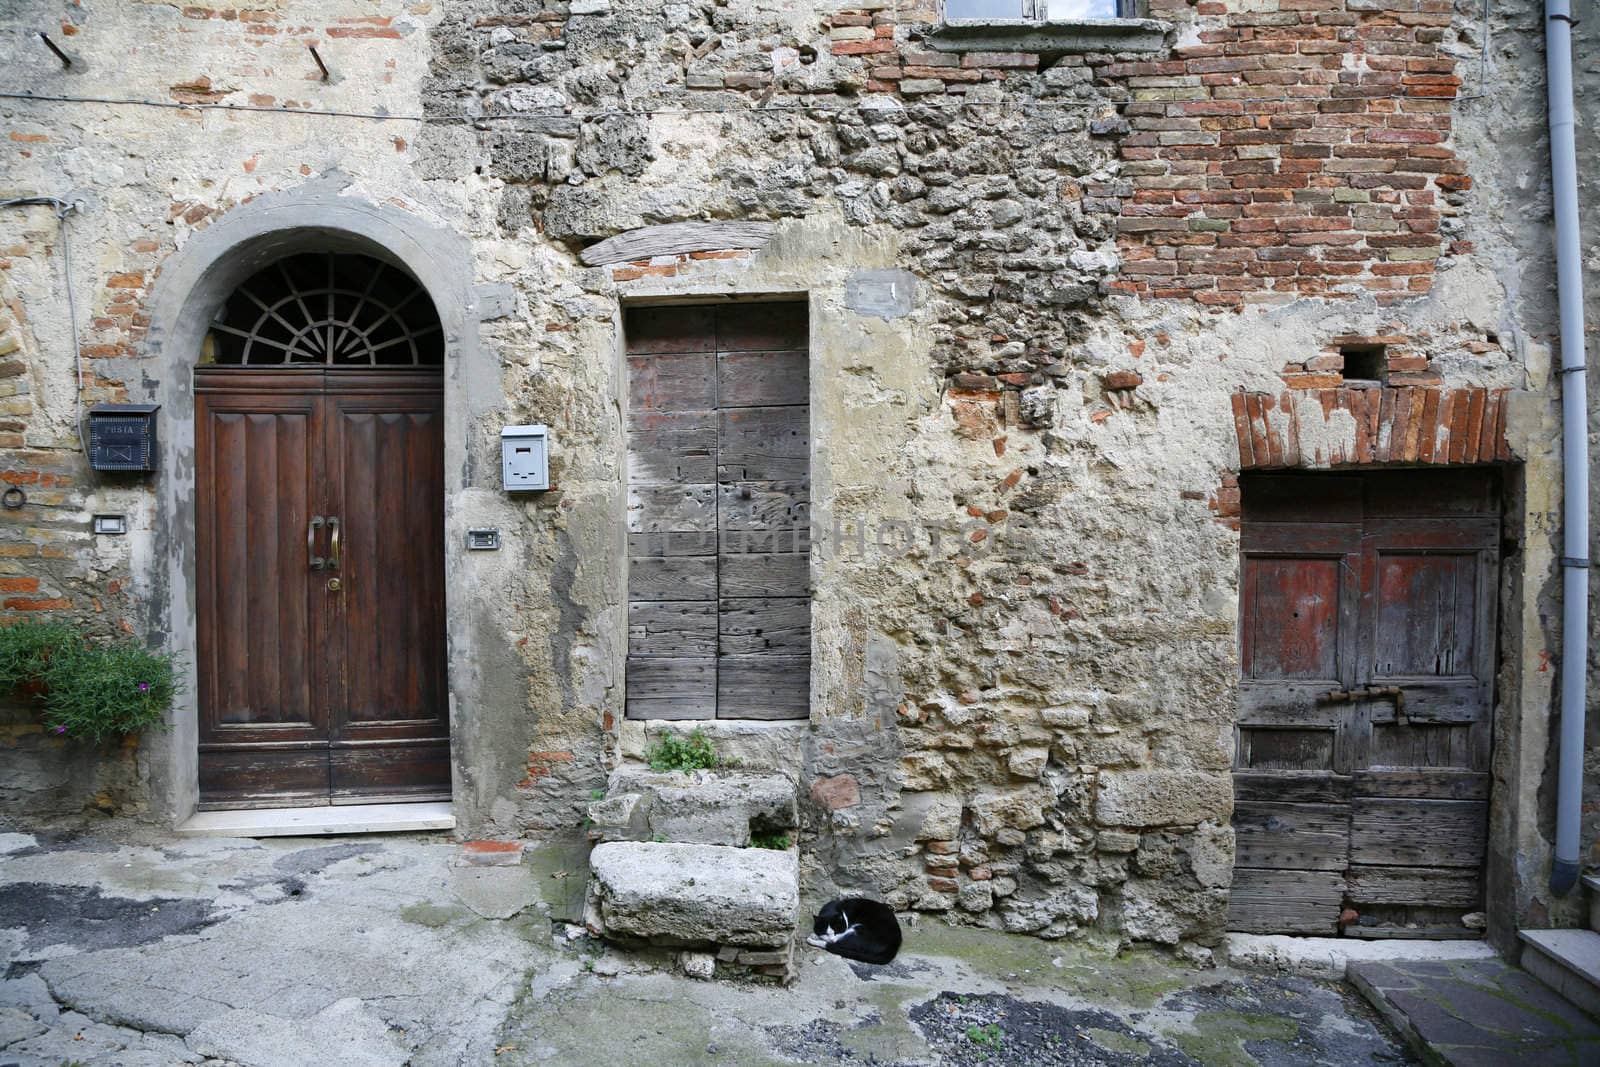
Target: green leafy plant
(25, 649)
(87, 690)
(674, 753)
(989, 1036)
(769, 839)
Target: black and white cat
(857, 929)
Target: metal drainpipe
(1574, 446)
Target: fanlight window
(329, 309)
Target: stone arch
(190, 288)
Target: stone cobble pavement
(125, 946)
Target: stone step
(1591, 883)
(732, 909)
(1568, 961)
(696, 807)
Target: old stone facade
(1066, 287)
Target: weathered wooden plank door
(319, 539)
(719, 604)
(1362, 747)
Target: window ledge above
(1058, 35)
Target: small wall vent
(1365, 363)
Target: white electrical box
(524, 461)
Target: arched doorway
(319, 494)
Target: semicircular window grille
(329, 309)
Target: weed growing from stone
(89, 690)
(771, 839)
(692, 753)
(988, 1036)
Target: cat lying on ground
(857, 929)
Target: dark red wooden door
(1362, 748)
(320, 683)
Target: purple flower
(144, 687)
(61, 729)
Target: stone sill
(1037, 35)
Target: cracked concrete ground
(125, 946)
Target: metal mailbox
(524, 462)
(122, 437)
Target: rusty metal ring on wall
(13, 498)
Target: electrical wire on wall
(62, 209)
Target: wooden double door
(320, 565)
(1368, 647)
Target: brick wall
(1282, 148)
(1290, 148)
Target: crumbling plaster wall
(1026, 723)
(1032, 732)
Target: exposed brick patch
(668, 266)
(541, 764)
(1295, 149)
(491, 853)
(19, 603)
(839, 791)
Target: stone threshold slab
(327, 819)
(1330, 957)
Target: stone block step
(698, 807)
(733, 902)
(1477, 1013)
(1591, 884)
(1568, 961)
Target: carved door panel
(319, 538)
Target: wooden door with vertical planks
(1361, 772)
(320, 565)
(719, 605)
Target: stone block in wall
(996, 811)
(619, 817)
(1167, 912)
(1059, 913)
(1161, 798)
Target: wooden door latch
(1371, 692)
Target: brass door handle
(311, 542)
(333, 542)
(334, 585)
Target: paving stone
(491, 853)
(17, 1025)
(347, 1033)
(1497, 1011)
(494, 892)
(11, 843)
